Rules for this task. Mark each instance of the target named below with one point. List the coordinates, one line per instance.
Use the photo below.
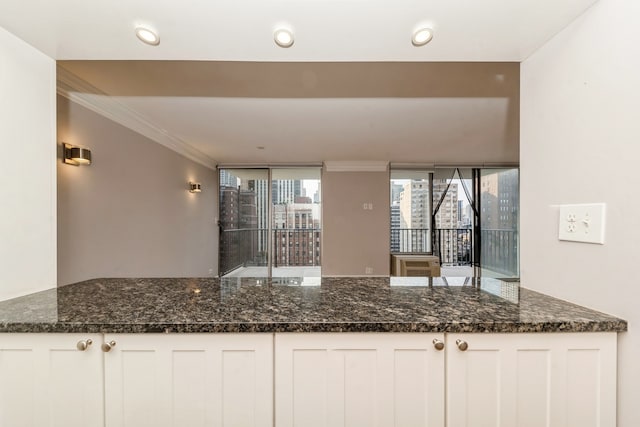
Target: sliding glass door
(296, 222)
(243, 222)
(270, 222)
(499, 219)
(467, 217)
(453, 219)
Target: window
(266, 215)
(467, 217)
(410, 210)
(499, 232)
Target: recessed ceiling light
(283, 37)
(147, 36)
(422, 36)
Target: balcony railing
(301, 247)
(242, 248)
(406, 240)
(296, 247)
(499, 251)
(499, 247)
(455, 244)
(248, 248)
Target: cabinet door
(46, 381)
(190, 380)
(354, 380)
(532, 380)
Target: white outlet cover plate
(582, 223)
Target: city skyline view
(247, 213)
(443, 223)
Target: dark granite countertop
(291, 305)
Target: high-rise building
(499, 200)
(395, 227)
(446, 219)
(229, 207)
(262, 207)
(296, 239)
(285, 190)
(244, 208)
(396, 189)
(230, 253)
(227, 179)
(415, 216)
(413, 212)
(248, 210)
(302, 199)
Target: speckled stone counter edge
(237, 327)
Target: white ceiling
(352, 87)
(325, 30)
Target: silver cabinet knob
(84, 344)
(439, 345)
(107, 346)
(462, 345)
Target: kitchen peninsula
(278, 352)
(287, 305)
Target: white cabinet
(189, 380)
(508, 380)
(532, 380)
(321, 380)
(358, 379)
(46, 381)
(193, 380)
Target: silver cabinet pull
(84, 344)
(462, 345)
(439, 345)
(107, 346)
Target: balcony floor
(449, 271)
(277, 272)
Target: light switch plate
(582, 223)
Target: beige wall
(27, 169)
(353, 238)
(580, 143)
(129, 214)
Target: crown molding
(83, 93)
(355, 166)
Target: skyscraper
(296, 239)
(285, 190)
(395, 227)
(227, 179)
(499, 200)
(415, 216)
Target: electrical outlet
(368, 270)
(582, 223)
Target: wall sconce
(76, 156)
(195, 187)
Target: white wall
(130, 214)
(27, 169)
(580, 142)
